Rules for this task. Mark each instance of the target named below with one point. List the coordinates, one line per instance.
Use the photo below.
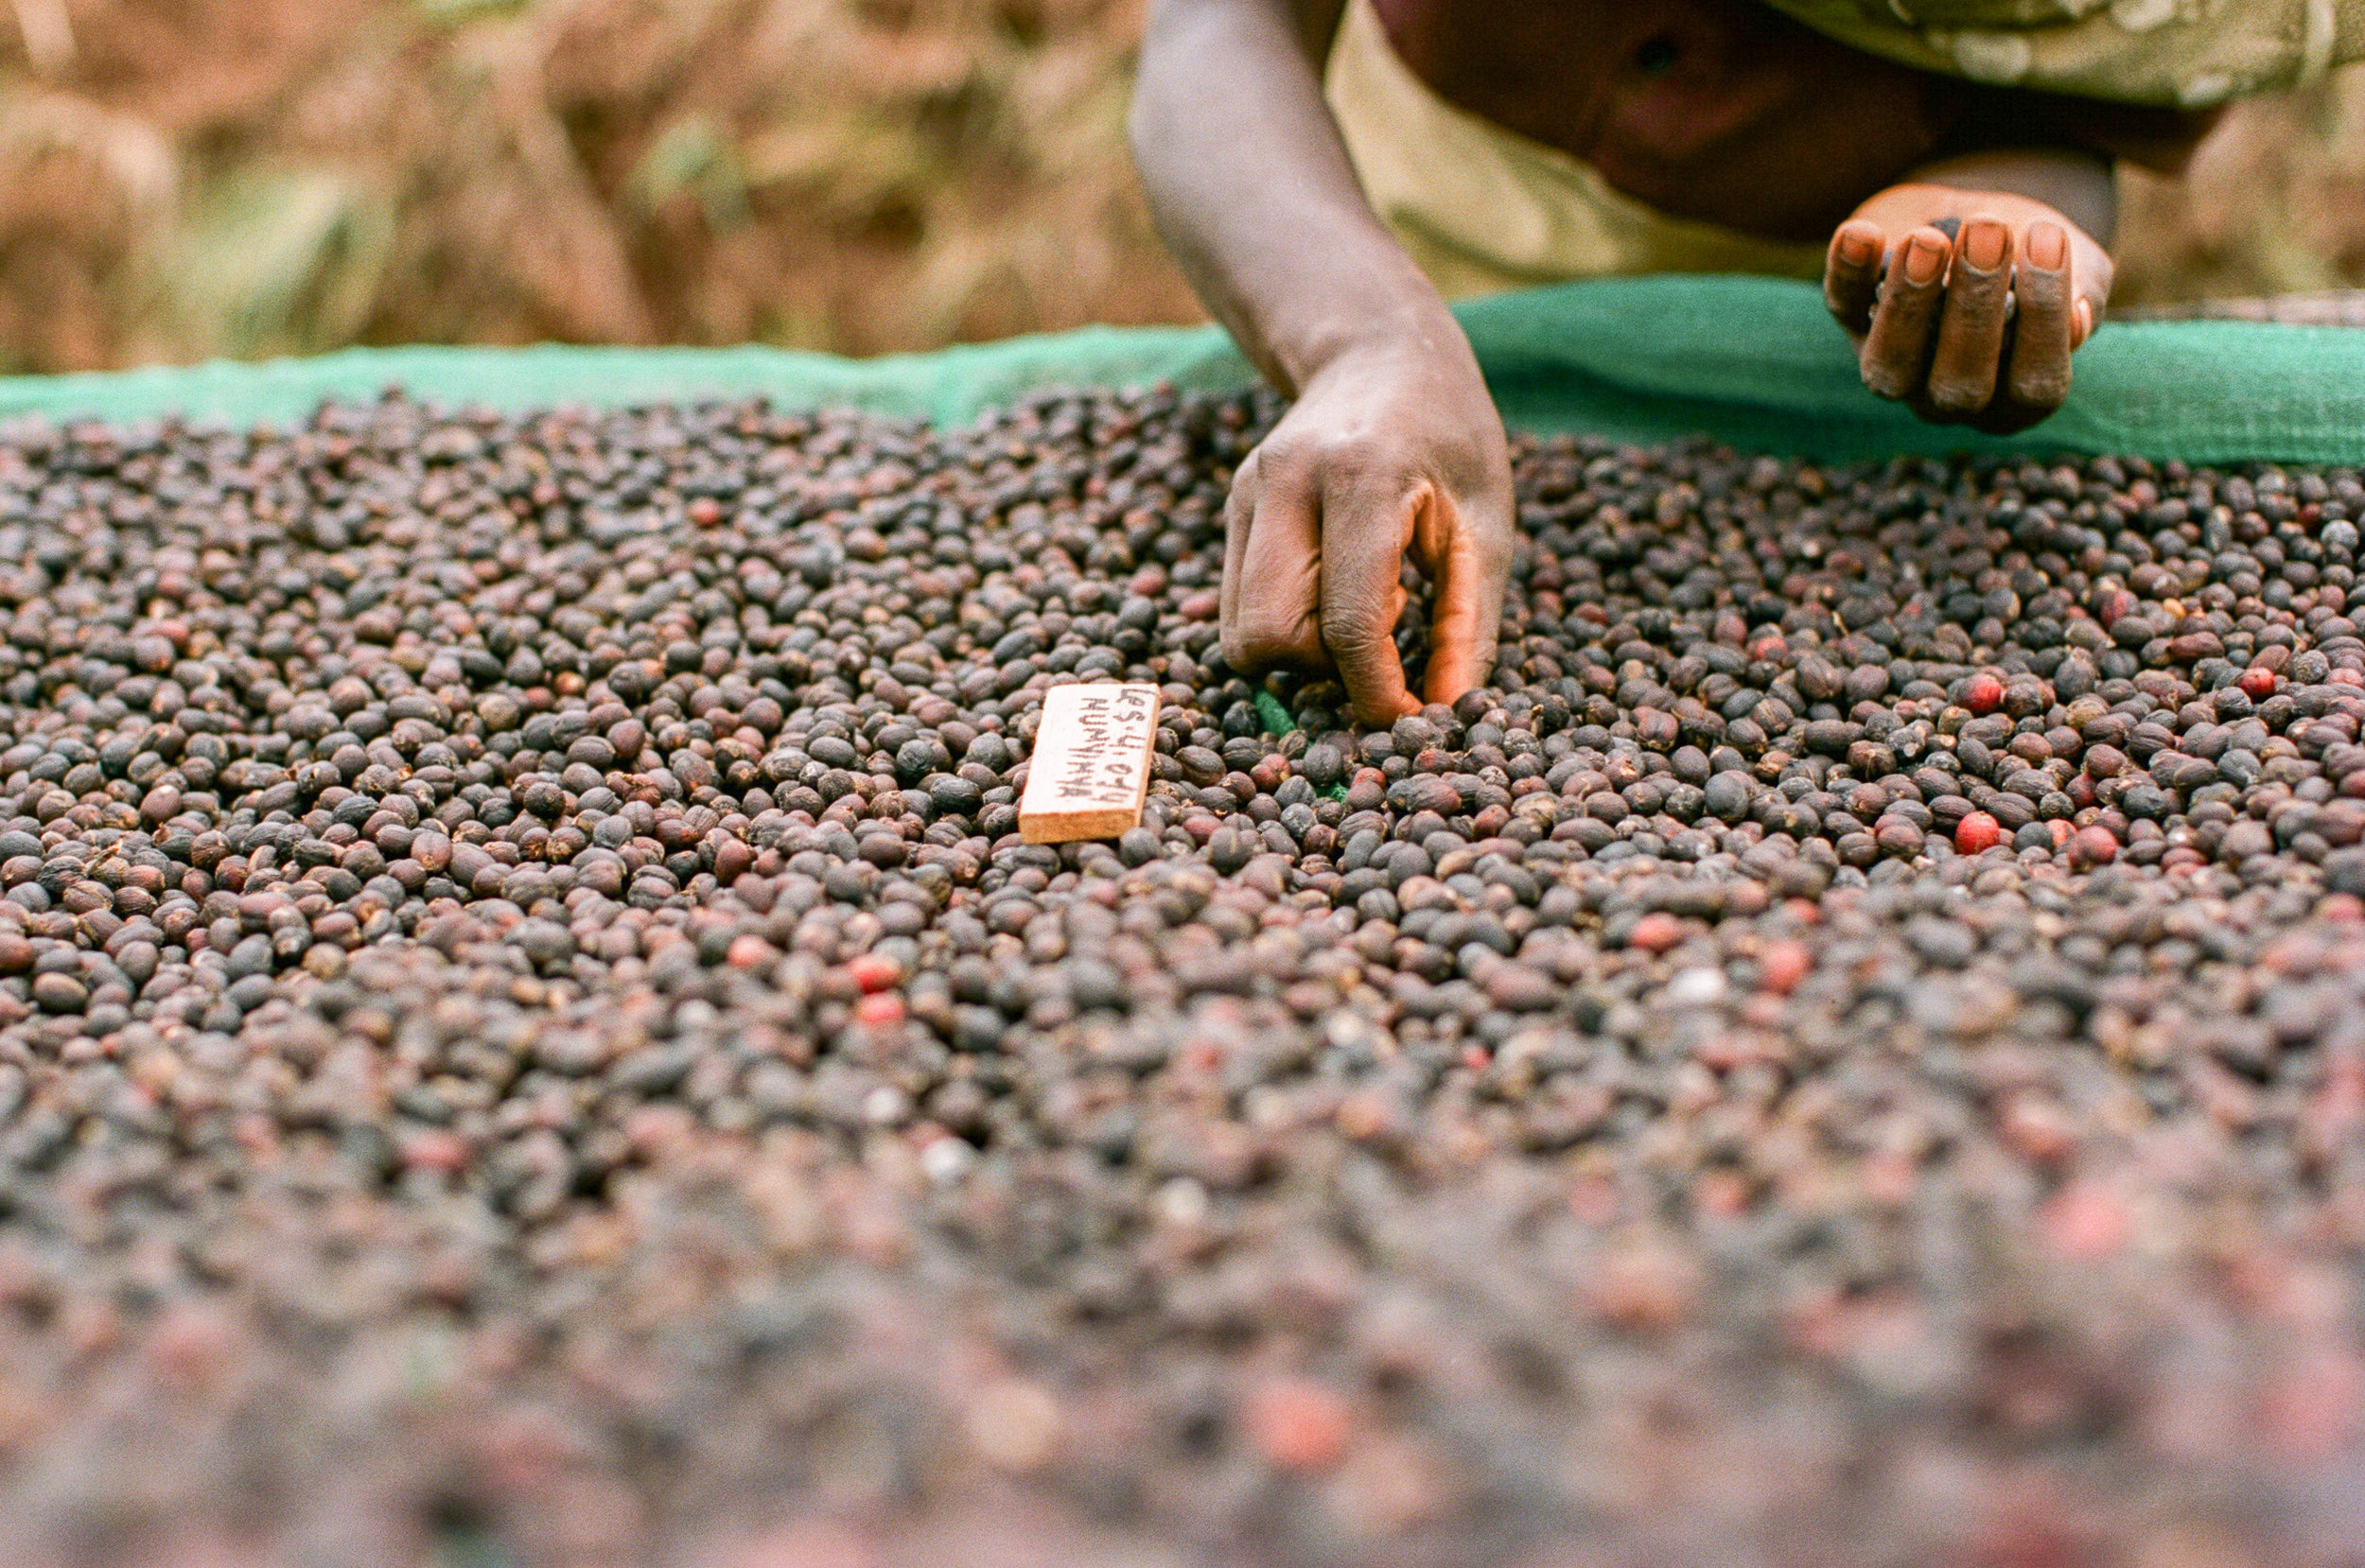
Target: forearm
(1253, 193)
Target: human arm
(1393, 447)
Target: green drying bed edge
(1753, 363)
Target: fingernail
(2048, 247)
(1925, 257)
(1857, 248)
(1984, 243)
(2081, 322)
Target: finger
(1279, 576)
(1969, 355)
(1852, 275)
(1897, 349)
(2040, 375)
(1367, 527)
(1239, 511)
(1469, 562)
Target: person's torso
(1720, 111)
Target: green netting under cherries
(1751, 361)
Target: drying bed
(531, 1033)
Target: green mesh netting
(1751, 361)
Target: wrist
(1422, 356)
(1958, 188)
(1403, 320)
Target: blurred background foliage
(182, 179)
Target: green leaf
(1278, 719)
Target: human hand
(1388, 452)
(1974, 327)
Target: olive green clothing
(2193, 53)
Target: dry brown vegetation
(187, 178)
(183, 178)
(2274, 204)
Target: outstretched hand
(1973, 326)
(1387, 454)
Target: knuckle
(1886, 380)
(1239, 503)
(1960, 394)
(1265, 640)
(1351, 636)
(1976, 315)
(2047, 390)
(1980, 308)
(2041, 290)
(1282, 452)
(1298, 450)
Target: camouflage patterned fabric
(2189, 53)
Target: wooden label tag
(1090, 771)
